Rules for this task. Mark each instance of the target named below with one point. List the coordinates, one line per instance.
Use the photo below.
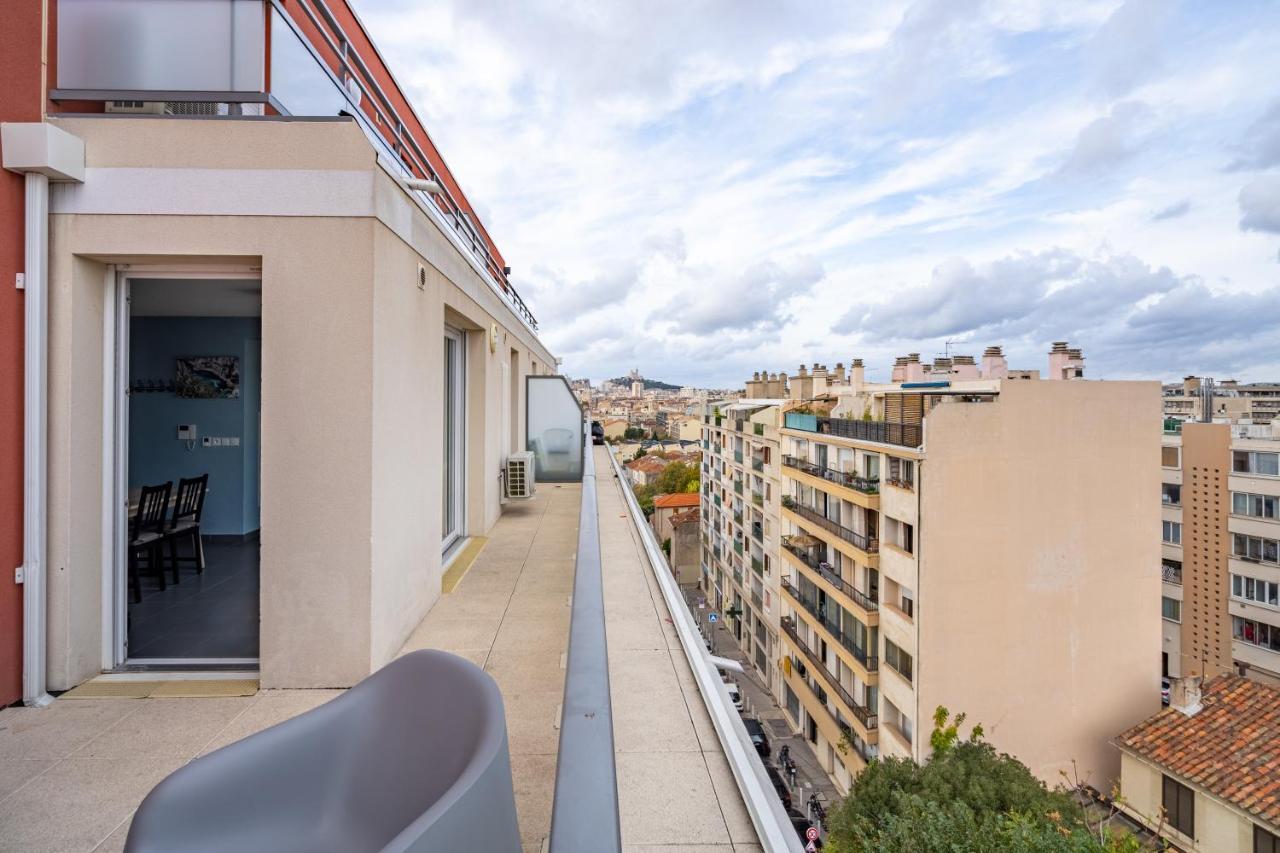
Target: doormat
(461, 563)
(202, 689)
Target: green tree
(632, 433)
(640, 451)
(967, 797)
(666, 547)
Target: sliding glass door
(454, 438)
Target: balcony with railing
(737, 486)
(880, 432)
(863, 714)
(841, 478)
(853, 751)
(869, 662)
(1171, 572)
(866, 544)
(826, 572)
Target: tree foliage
(967, 797)
(676, 477)
(632, 433)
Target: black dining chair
(185, 524)
(146, 534)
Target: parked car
(802, 824)
(597, 433)
(778, 785)
(1164, 691)
(758, 739)
(734, 694)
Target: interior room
(194, 415)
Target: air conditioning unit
(519, 479)
(135, 107)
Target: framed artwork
(208, 377)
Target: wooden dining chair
(146, 533)
(184, 526)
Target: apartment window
(900, 533)
(1265, 842)
(897, 658)
(1255, 548)
(1171, 609)
(1171, 494)
(1172, 532)
(907, 601)
(902, 472)
(1255, 462)
(1255, 506)
(897, 719)
(1255, 590)
(1179, 803)
(1169, 456)
(1256, 633)
(871, 465)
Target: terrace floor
(71, 775)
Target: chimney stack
(914, 369)
(899, 369)
(856, 375)
(1184, 694)
(994, 365)
(964, 367)
(837, 375)
(1064, 362)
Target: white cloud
(1260, 205)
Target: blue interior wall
(155, 453)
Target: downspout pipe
(42, 153)
(35, 479)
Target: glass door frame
(454, 445)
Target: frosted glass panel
(161, 45)
(556, 431)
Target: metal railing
(824, 571)
(865, 715)
(1171, 574)
(772, 825)
(840, 478)
(871, 662)
(858, 540)
(585, 811)
(854, 741)
(903, 435)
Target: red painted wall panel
(21, 99)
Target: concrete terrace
(72, 775)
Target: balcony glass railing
(841, 478)
(903, 435)
(827, 572)
(556, 429)
(871, 662)
(865, 715)
(858, 540)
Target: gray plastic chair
(413, 758)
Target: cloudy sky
(704, 188)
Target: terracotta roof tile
(1230, 747)
(688, 516)
(676, 501)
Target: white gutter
(772, 825)
(38, 151)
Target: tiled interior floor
(510, 615)
(675, 788)
(209, 615)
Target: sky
(705, 188)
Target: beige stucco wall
(351, 378)
(1219, 828)
(1039, 588)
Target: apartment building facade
(1196, 398)
(1220, 543)
(739, 518)
(944, 541)
(253, 164)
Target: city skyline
(986, 173)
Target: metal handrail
(865, 715)
(840, 478)
(772, 825)
(585, 811)
(871, 662)
(858, 540)
(860, 598)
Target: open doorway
(189, 445)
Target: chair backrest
(153, 503)
(190, 502)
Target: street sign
(810, 848)
(711, 617)
(811, 833)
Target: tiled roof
(689, 516)
(1230, 747)
(679, 500)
